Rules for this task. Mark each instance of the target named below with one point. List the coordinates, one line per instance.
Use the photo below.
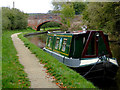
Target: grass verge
(13, 75)
(65, 77)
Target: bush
(13, 19)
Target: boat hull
(92, 69)
(103, 71)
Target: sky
(29, 6)
(36, 6)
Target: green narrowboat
(86, 51)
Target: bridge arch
(39, 25)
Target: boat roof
(74, 32)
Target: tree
(103, 15)
(67, 14)
(57, 5)
(79, 7)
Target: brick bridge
(37, 20)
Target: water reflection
(115, 49)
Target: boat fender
(48, 32)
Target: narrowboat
(85, 51)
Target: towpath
(35, 70)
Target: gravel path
(35, 70)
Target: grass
(50, 28)
(65, 77)
(13, 75)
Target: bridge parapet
(42, 21)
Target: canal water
(40, 40)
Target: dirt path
(35, 70)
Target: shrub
(13, 19)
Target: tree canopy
(77, 6)
(103, 15)
(67, 14)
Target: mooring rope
(90, 69)
(100, 58)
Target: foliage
(79, 7)
(13, 19)
(67, 14)
(48, 29)
(64, 27)
(75, 26)
(13, 75)
(57, 5)
(103, 15)
(67, 11)
(64, 76)
(50, 24)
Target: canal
(40, 40)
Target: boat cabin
(86, 51)
(81, 44)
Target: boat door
(96, 45)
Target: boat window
(57, 43)
(102, 50)
(64, 44)
(49, 42)
(91, 47)
(60, 43)
(83, 40)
